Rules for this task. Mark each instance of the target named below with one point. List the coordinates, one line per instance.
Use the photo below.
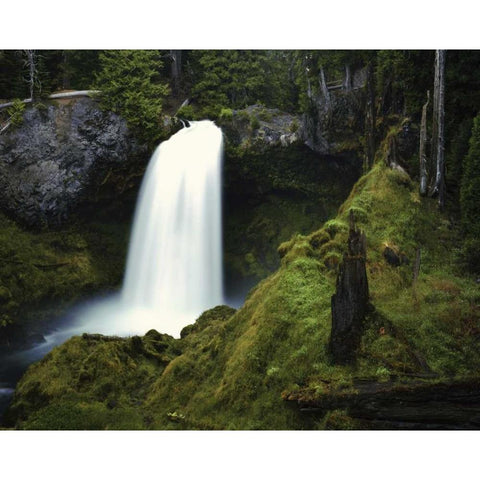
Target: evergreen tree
(237, 78)
(131, 86)
(12, 84)
(470, 199)
(470, 189)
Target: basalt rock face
(335, 119)
(257, 129)
(59, 157)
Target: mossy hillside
(278, 340)
(432, 325)
(232, 372)
(233, 377)
(42, 267)
(92, 382)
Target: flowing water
(174, 264)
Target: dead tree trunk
(422, 150)
(439, 152)
(370, 121)
(176, 69)
(350, 302)
(31, 64)
(348, 78)
(324, 88)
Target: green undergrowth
(46, 267)
(233, 369)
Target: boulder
(258, 129)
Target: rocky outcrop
(335, 118)
(257, 129)
(274, 187)
(58, 156)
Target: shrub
(226, 114)
(15, 112)
(187, 112)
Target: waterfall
(174, 263)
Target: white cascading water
(174, 264)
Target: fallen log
(75, 94)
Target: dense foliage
(470, 199)
(131, 86)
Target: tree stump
(350, 302)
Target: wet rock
(58, 157)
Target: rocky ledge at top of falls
(258, 129)
(58, 156)
(328, 128)
(69, 154)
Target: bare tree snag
(176, 69)
(437, 162)
(422, 150)
(348, 78)
(31, 64)
(439, 187)
(324, 88)
(370, 121)
(351, 301)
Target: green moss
(334, 226)
(57, 266)
(319, 238)
(226, 114)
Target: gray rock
(55, 159)
(259, 129)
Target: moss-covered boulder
(92, 382)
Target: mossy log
(416, 405)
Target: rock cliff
(58, 157)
